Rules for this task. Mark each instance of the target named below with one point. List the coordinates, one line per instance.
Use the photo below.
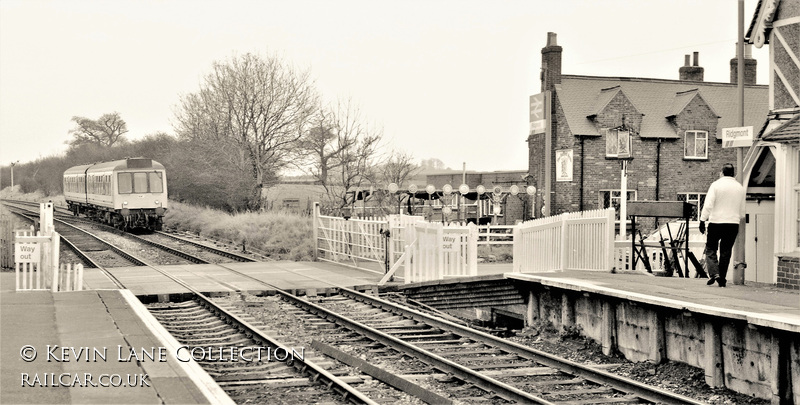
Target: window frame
(695, 139)
(611, 198)
(700, 200)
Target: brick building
(772, 165)
(670, 128)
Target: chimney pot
(696, 58)
(748, 51)
(687, 60)
(551, 39)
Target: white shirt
(724, 202)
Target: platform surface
(101, 321)
(760, 304)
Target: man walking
(723, 208)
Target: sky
(445, 79)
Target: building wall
(789, 272)
(676, 175)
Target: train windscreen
(140, 182)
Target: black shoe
(711, 280)
(722, 282)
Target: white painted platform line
(210, 389)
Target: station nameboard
(737, 137)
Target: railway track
(450, 361)
(462, 363)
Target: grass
(277, 234)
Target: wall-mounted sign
(737, 137)
(564, 165)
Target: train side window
(125, 183)
(156, 185)
(140, 182)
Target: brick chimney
(551, 63)
(693, 73)
(749, 66)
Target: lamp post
(12, 174)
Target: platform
(95, 324)
(284, 275)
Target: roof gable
(682, 99)
(788, 131)
(656, 99)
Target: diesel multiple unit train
(128, 194)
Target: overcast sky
(448, 79)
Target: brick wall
(789, 273)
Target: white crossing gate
(440, 252)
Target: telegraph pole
(738, 249)
(12, 175)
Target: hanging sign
(737, 137)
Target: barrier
(36, 257)
(440, 251)
(571, 241)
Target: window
(156, 184)
(697, 199)
(618, 143)
(612, 198)
(125, 183)
(696, 145)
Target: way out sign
(450, 243)
(737, 137)
(27, 252)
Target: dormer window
(696, 145)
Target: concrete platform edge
(207, 386)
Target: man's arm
(708, 205)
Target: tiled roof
(579, 97)
(788, 131)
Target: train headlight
(157, 202)
(124, 203)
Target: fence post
(472, 249)
(610, 239)
(564, 242)
(516, 250)
(315, 221)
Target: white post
(315, 220)
(623, 201)
(564, 242)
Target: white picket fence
(571, 241)
(36, 266)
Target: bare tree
(341, 151)
(105, 131)
(254, 110)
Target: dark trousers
(720, 236)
